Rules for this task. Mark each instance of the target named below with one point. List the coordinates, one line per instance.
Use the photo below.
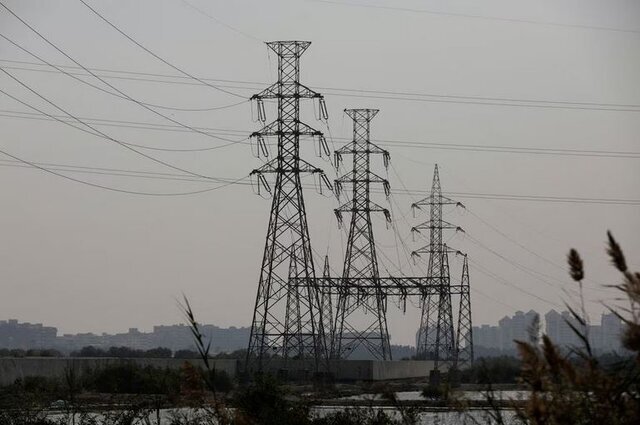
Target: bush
(264, 402)
(133, 379)
(186, 354)
(123, 352)
(220, 380)
(492, 370)
(16, 352)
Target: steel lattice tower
(436, 339)
(360, 256)
(287, 319)
(464, 339)
(326, 304)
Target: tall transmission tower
(287, 319)
(436, 340)
(464, 339)
(360, 257)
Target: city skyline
(498, 335)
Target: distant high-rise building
(486, 336)
(26, 335)
(559, 328)
(611, 331)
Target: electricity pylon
(326, 303)
(287, 319)
(360, 257)
(436, 340)
(464, 339)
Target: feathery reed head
(576, 267)
(615, 252)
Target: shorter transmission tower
(360, 260)
(436, 337)
(464, 340)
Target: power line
(219, 22)
(171, 65)
(75, 77)
(512, 149)
(488, 102)
(113, 189)
(535, 254)
(474, 289)
(467, 15)
(533, 231)
(537, 198)
(118, 172)
(384, 142)
(531, 272)
(511, 197)
(388, 94)
(508, 284)
(94, 132)
(227, 179)
(486, 98)
(124, 125)
(58, 49)
(140, 74)
(182, 80)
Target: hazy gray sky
(86, 259)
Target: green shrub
(130, 378)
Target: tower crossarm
(428, 225)
(370, 148)
(369, 208)
(372, 207)
(435, 249)
(302, 167)
(281, 89)
(442, 200)
(359, 182)
(294, 127)
(369, 178)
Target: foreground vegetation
(575, 387)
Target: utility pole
(287, 318)
(436, 339)
(360, 257)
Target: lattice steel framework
(464, 339)
(436, 335)
(287, 319)
(360, 260)
(326, 302)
